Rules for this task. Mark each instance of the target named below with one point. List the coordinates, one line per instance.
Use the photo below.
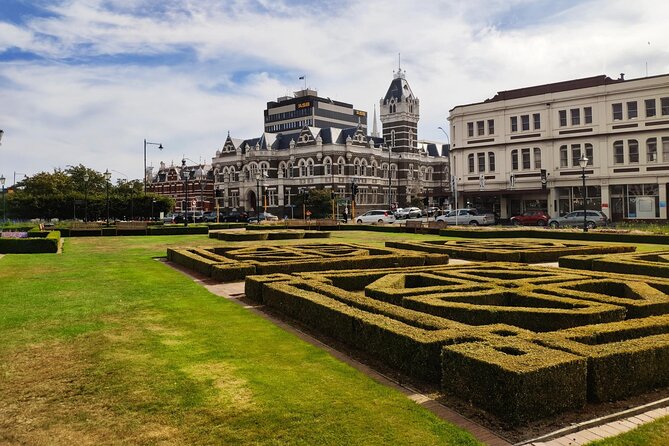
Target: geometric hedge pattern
(505, 250)
(650, 264)
(522, 342)
(230, 263)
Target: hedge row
(518, 374)
(498, 250)
(36, 243)
(646, 264)
(289, 259)
(559, 235)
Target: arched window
(327, 163)
(342, 166)
(364, 169)
(310, 168)
(302, 168)
(356, 167)
(384, 170)
(618, 152)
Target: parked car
(210, 217)
(169, 218)
(466, 217)
(538, 218)
(375, 216)
(263, 216)
(180, 218)
(592, 219)
(412, 212)
(236, 217)
(430, 211)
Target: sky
(87, 81)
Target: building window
(564, 156)
(650, 108)
(342, 167)
(491, 161)
(514, 159)
(537, 158)
(328, 167)
(665, 149)
(617, 112)
(664, 104)
(525, 120)
(480, 157)
(470, 163)
(491, 126)
(470, 129)
(651, 150)
(526, 159)
(575, 116)
(632, 111)
(536, 118)
(633, 150)
(514, 123)
(575, 154)
(618, 152)
(589, 154)
(563, 118)
(480, 128)
(271, 198)
(587, 115)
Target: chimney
(622, 76)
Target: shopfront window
(571, 199)
(635, 201)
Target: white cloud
(93, 98)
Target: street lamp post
(257, 195)
(86, 178)
(107, 178)
(390, 180)
(4, 208)
(153, 202)
(160, 147)
(200, 177)
(583, 162)
(185, 175)
(448, 139)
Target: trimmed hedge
(500, 250)
(624, 358)
(177, 230)
(31, 245)
(559, 235)
(515, 379)
(406, 316)
(654, 264)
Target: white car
(374, 217)
(465, 217)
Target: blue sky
(85, 81)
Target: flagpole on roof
(304, 78)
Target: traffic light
(354, 189)
(544, 179)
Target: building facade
(520, 150)
(194, 183)
(273, 170)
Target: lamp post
(153, 202)
(86, 178)
(2, 132)
(448, 138)
(160, 147)
(19, 173)
(185, 175)
(390, 179)
(257, 194)
(107, 175)
(583, 162)
(4, 209)
(200, 176)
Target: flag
(301, 78)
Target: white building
(504, 146)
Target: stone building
(171, 181)
(272, 170)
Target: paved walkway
(578, 434)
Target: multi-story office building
(520, 150)
(306, 108)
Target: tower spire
(375, 129)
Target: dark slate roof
(399, 89)
(345, 133)
(432, 150)
(445, 149)
(574, 84)
(283, 139)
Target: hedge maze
(246, 236)
(522, 342)
(649, 264)
(231, 263)
(504, 250)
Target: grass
(651, 434)
(104, 345)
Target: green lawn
(104, 345)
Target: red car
(538, 218)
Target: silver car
(376, 216)
(592, 219)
